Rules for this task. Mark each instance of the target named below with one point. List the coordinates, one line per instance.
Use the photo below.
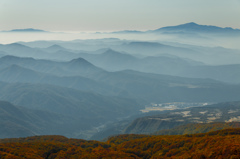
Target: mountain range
(132, 84)
(196, 28)
(98, 87)
(190, 27)
(19, 121)
(86, 109)
(186, 28)
(94, 96)
(194, 62)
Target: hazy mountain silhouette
(49, 97)
(128, 32)
(21, 122)
(225, 73)
(17, 49)
(2, 53)
(188, 28)
(27, 30)
(115, 61)
(76, 67)
(137, 48)
(111, 60)
(154, 49)
(88, 108)
(193, 27)
(55, 48)
(163, 88)
(15, 73)
(132, 84)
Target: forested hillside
(218, 144)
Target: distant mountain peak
(111, 51)
(189, 24)
(16, 44)
(144, 44)
(192, 23)
(80, 60)
(83, 66)
(27, 30)
(56, 46)
(194, 27)
(128, 32)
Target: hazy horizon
(113, 15)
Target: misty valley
(184, 80)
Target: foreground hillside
(218, 144)
(194, 128)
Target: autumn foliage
(218, 144)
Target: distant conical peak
(79, 60)
(111, 51)
(16, 44)
(56, 46)
(191, 23)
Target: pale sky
(113, 15)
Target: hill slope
(67, 101)
(222, 112)
(218, 144)
(131, 84)
(18, 121)
(194, 128)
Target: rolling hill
(75, 67)
(18, 121)
(85, 109)
(129, 84)
(67, 101)
(223, 112)
(194, 128)
(217, 144)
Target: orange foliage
(218, 144)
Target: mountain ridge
(194, 27)
(27, 30)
